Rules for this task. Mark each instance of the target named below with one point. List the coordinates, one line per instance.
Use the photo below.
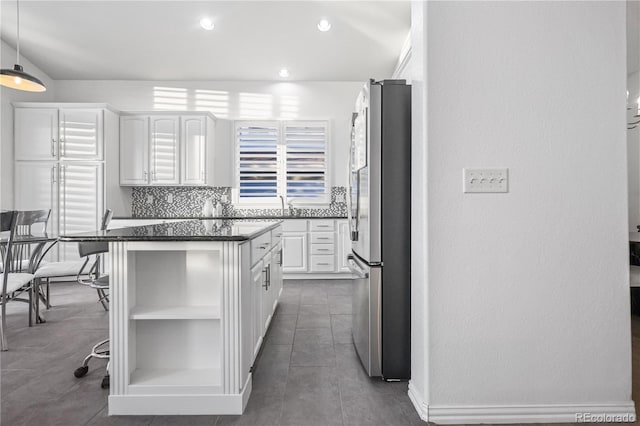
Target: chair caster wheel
(81, 371)
(105, 382)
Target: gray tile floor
(306, 374)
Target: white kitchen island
(190, 303)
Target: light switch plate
(485, 180)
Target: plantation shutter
(258, 159)
(306, 159)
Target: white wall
(633, 153)
(7, 95)
(233, 100)
(527, 305)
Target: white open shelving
(182, 381)
(182, 312)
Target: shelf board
(175, 312)
(189, 380)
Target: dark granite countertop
(186, 230)
(229, 217)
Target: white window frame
(282, 159)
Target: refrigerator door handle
(355, 268)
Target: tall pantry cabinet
(59, 152)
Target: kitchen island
(190, 303)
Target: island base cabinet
(175, 323)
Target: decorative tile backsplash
(179, 201)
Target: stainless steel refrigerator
(380, 227)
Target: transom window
(287, 158)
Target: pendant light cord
(18, 32)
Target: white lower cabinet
(187, 321)
(317, 247)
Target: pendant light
(16, 78)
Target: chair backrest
(89, 248)
(28, 223)
(7, 224)
(26, 219)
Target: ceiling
(162, 40)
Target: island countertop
(187, 230)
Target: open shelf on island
(180, 381)
(175, 312)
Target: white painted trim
(542, 413)
(178, 404)
(64, 105)
(404, 59)
(547, 413)
(418, 402)
(314, 276)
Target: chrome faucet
(282, 203)
(291, 209)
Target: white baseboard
(418, 402)
(547, 413)
(614, 412)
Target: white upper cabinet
(80, 134)
(134, 150)
(165, 150)
(36, 133)
(194, 150)
(58, 133)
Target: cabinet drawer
(295, 225)
(276, 236)
(260, 246)
(322, 263)
(322, 249)
(321, 225)
(322, 237)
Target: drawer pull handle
(323, 264)
(322, 226)
(323, 238)
(323, 249)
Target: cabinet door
(267, 294)
(164, 151)
(294, 246)
(36, 188)
(81, 202)
(194, 150)
(257, 278)
(36, 133)
(81, 134)
(276, 274)
(134, 150)
(344, 246)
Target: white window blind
(306, 159)
(287, 158)
(258, 160)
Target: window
(287, 158)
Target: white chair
(47, 271)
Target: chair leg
(31, 305)
(36, 298)
(3, 327)
(48, 294)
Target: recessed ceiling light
(324, 25)
(207, 24)
(284, 73)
